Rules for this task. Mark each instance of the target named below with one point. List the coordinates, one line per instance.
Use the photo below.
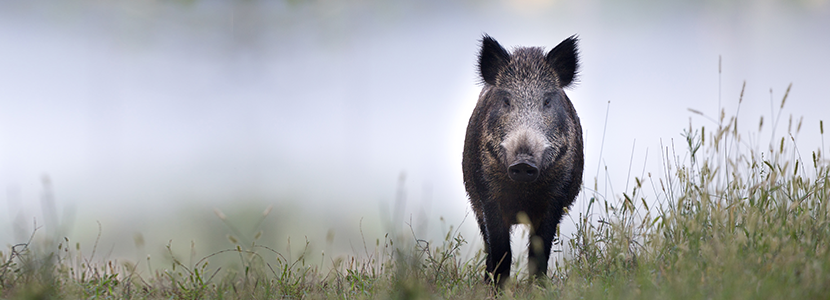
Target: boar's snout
(523, 171)
(523, 152)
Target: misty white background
(145, 116)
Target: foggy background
(147, 117)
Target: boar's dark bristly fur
(523, 149)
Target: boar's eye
(505, 101)
(550, 97)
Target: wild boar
(523, 156)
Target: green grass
(730, 222)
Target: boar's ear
(491, 59)
(564, 59)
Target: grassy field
(732, 220)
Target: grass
(727, 221)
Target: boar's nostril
(523, 172)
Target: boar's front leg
(498, 248)
(540, 243)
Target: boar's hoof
(523, 172)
